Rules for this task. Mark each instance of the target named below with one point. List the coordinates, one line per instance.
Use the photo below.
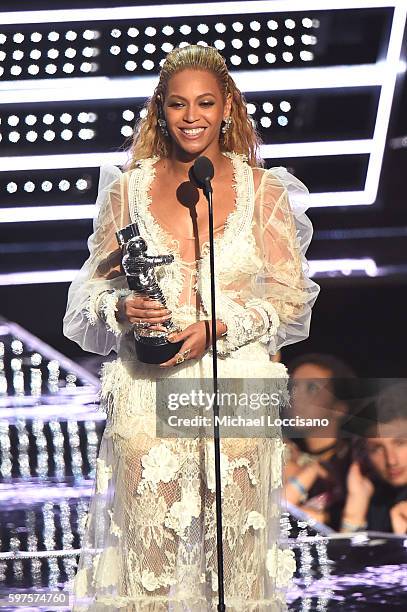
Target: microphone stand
(218, 491)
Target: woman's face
(194, 109)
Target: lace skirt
(150, 539)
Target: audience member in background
(317, 459)
(377, 479)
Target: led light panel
(383, 74)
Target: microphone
(203, 172)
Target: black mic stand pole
(218, 490)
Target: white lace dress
(150, 539)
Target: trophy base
(156, 349)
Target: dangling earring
(163, 126)
(161, 120)
(228, 123)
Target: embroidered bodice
(262, 290)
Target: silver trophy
(152, 345)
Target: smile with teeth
(192, 132)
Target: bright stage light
(11, 187)
(31, 136)
(64, 185)
(148, 65)
(191, 10)
(65, 118)
(37, 277)
(126, 131)
(128, 115)
(329, 267)
(46, 186)
(254, 42)
(343, 266)
(14, 136)
(30, 214)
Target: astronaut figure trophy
(152, 345)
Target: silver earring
(163, 126)
(228, 123)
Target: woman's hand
(141, 309)
(197, 338)
(304, 479)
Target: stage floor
(49, 435)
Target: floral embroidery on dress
(103, 475)
(280, 565)
(149, 581)
(255, 520)
(227, 468)
(232, 513)
(147, 519)
(277, 463)
(106, 567)
(160, 464)
(142, 579)
(181, 513)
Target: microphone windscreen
(203, 169)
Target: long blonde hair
(149, 141)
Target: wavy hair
(148, 140)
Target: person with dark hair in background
(377, 479)
(318, 459)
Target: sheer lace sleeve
(274, 306)
(90, 316)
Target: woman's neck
(179, 167)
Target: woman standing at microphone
(150, 541)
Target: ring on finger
(182, 356)
(142, 324)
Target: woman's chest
(182, 210)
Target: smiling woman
(150, 541)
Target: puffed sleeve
(275, 306)
(92, 298)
